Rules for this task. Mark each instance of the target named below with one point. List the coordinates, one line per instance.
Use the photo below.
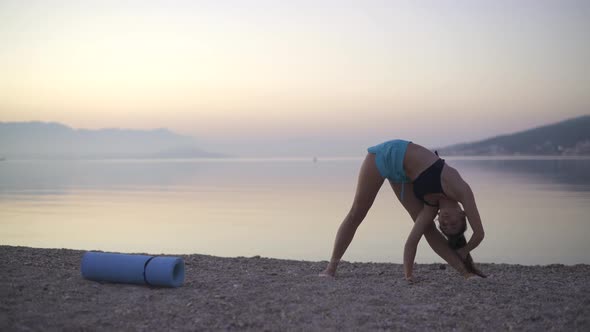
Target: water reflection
(58, 177)
(534, 211)
(55, 177)
(573, 174)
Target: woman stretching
(426, 187)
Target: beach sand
(42, 289)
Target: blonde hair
(456, 241)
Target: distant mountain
(42, 140)
(570, 137)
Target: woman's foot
(329, 272)
(470, 276)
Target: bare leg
(435, 239)
(369, 183)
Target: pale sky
(328, 78)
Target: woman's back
(418, 159)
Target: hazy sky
(297, 77)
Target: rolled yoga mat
(133, 269)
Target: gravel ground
(41, 289)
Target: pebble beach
(42, 289)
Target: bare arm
(424, 220)
(459, 190)
(467, 199)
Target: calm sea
(535, 211)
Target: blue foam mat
(133, 269)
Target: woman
(426, 187)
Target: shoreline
(288, 259)
(42, 289)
